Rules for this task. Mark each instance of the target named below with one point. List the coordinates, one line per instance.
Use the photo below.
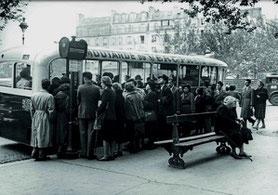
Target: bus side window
(23, 78)
(189, 74)
(139, 68)
(92, 66)
(57, 68)
(111, 67)
(124, 72)
(6, 78)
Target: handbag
(100, 118)
(149, 116)
(98, 123)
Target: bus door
(15, 93)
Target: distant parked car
(271, 82)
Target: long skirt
(109, 130)
(260, 111)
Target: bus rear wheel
(274, 99)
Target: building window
(128, 40)
(97, 42)
(120, 40)
(142, 39)
(154, 38)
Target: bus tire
(274, 99)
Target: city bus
(15, 120)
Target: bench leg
(223, 148)
(176, 161)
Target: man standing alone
(247, 102)
(88, 95)
(42, 111)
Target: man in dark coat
(88, 96)
(165, 106)
(226, 122)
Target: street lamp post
(23, 25)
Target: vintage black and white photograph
(154, 97)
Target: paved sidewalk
(148, 173)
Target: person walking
(88, 96)
(107, 111)
(260, 97)
(247, 102)
(42, 111)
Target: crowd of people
(128, 112)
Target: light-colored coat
(42, 110)
(247, 98)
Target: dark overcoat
(260, 97)
(166, 107)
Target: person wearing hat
(107, 110)
(150, 105)
(226, 123)
(165, 106)
(88, 96)
(247, 102)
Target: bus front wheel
(274, 99)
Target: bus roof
(30, 53)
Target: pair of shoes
(235, 156)
(43, 158)
(255, 128)
(93, 157)
(262, 127)
(244, 155)
(103, 159)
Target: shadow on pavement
(191, 163)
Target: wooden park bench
(178, 146)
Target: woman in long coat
(120, 116)
(260, 97)
(42, 110)
(107, 109)
(62, 111)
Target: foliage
(247, 54)
(10, 10)
(215, 11)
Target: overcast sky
(49, 21)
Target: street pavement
(11, 151)
(147, 172)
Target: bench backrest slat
(187, 117)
